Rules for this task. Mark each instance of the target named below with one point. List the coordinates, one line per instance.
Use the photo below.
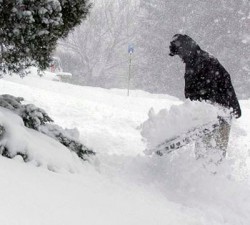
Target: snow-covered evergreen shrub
(32, 116)
(37, 119)
(10, 102)
(67, 137)
(29, 30)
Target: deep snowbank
(126, 187)
(37, 197)
(179, 178)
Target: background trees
(96, 53)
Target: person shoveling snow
(207, 80)
(208, 124)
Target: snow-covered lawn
(122, 186)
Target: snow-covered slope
(122, 186)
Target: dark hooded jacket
(205, 78)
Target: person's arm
(227, 93)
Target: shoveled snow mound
(41, 150)
(178, 120)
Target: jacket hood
(185, 47)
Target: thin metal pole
(129, 71)
(1, 60)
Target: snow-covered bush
(32, 116)
(29, 30)
(65, 137)
(24, 144)
(37, 119)
(10, 102)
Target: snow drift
(178, 120)
(125, 187)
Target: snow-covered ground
(122, 186)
